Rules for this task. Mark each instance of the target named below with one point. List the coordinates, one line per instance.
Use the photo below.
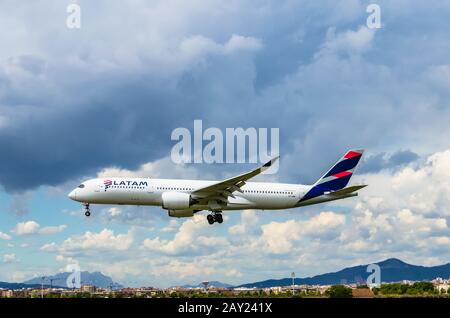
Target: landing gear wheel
(210, 218)
(87, 212)
(218, 218)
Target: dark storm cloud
(130, 124)
(380, 161)
(112, 92)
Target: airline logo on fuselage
(109, 183)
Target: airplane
(184, 198)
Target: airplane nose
(73, 194)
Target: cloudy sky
(103, 100)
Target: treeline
(418, 288)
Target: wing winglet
(269, 163)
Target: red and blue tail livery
(337, 177)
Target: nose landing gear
(215, 217)
(87, 211)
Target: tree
(418, 288)
(339, 291)
(424, 286)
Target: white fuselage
(146, 191)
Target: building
(21, 293)
(441, 284)
(6, 293)
(88, 288)
(148, 292)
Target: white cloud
(280, 237)
(403, 213)
(194, 235)
(164, 167)
(52, 229)
(361, 246)
(414, 222)
(249, 222)
(172, 227)
(32, 227)
(49, 247)
(114, 211)
(198, 46)
(24, 228)
(104, 240)
(349, 41)
(238, 42)
(441, 240)
(66, 259)
(4, 236)
(9, 258)
(323, 224)
(426, 188)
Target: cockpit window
(81, 186)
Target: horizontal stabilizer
(348, 190)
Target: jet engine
(176, 200)
(181, 213)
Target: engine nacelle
(176, 200)
(181, 213)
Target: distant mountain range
(392, 270)
(17, 285)
(96, 279)
(210, 284)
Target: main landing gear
(87, 211)
(215, 217)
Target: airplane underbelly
(240, 203)
(125, 197)
(274, 203)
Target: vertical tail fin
(337, 177)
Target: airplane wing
(221, 190)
